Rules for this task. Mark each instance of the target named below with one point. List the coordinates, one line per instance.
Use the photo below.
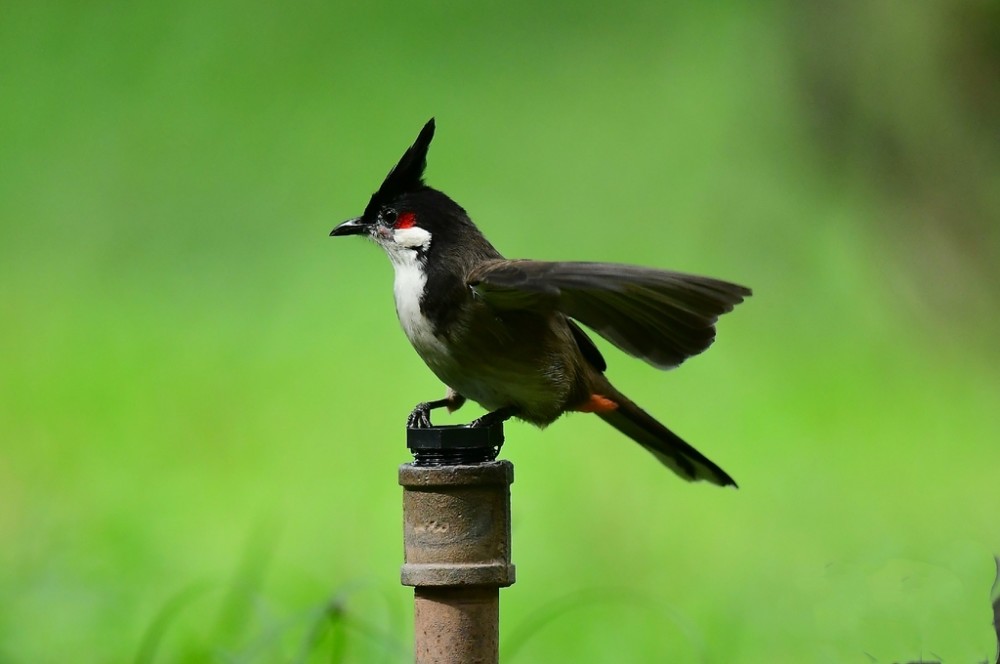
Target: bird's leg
(420, 417)
(496, 417)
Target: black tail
(665, 445)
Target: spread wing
(659, 316)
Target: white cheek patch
(412, 238)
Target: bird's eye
(389, 216)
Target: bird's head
(405, 215)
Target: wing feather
(659, 316)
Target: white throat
(408, 287)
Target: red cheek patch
(406, 220)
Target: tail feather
(663, 443)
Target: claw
(420, 417)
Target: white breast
(408, 289)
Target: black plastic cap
(454, 445)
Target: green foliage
(202, 396)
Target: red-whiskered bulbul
(504, 333)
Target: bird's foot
(489, 419)
(420, 417)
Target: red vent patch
(597, 404)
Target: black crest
(405, 176)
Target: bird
(507, 334)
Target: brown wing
(659, 316)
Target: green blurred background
(202, 396)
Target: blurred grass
(194, 376)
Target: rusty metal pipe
(456, 536)
(456, 625)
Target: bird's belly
(489, 373)
(494, 382)
(420, 332)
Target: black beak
(350, 227)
